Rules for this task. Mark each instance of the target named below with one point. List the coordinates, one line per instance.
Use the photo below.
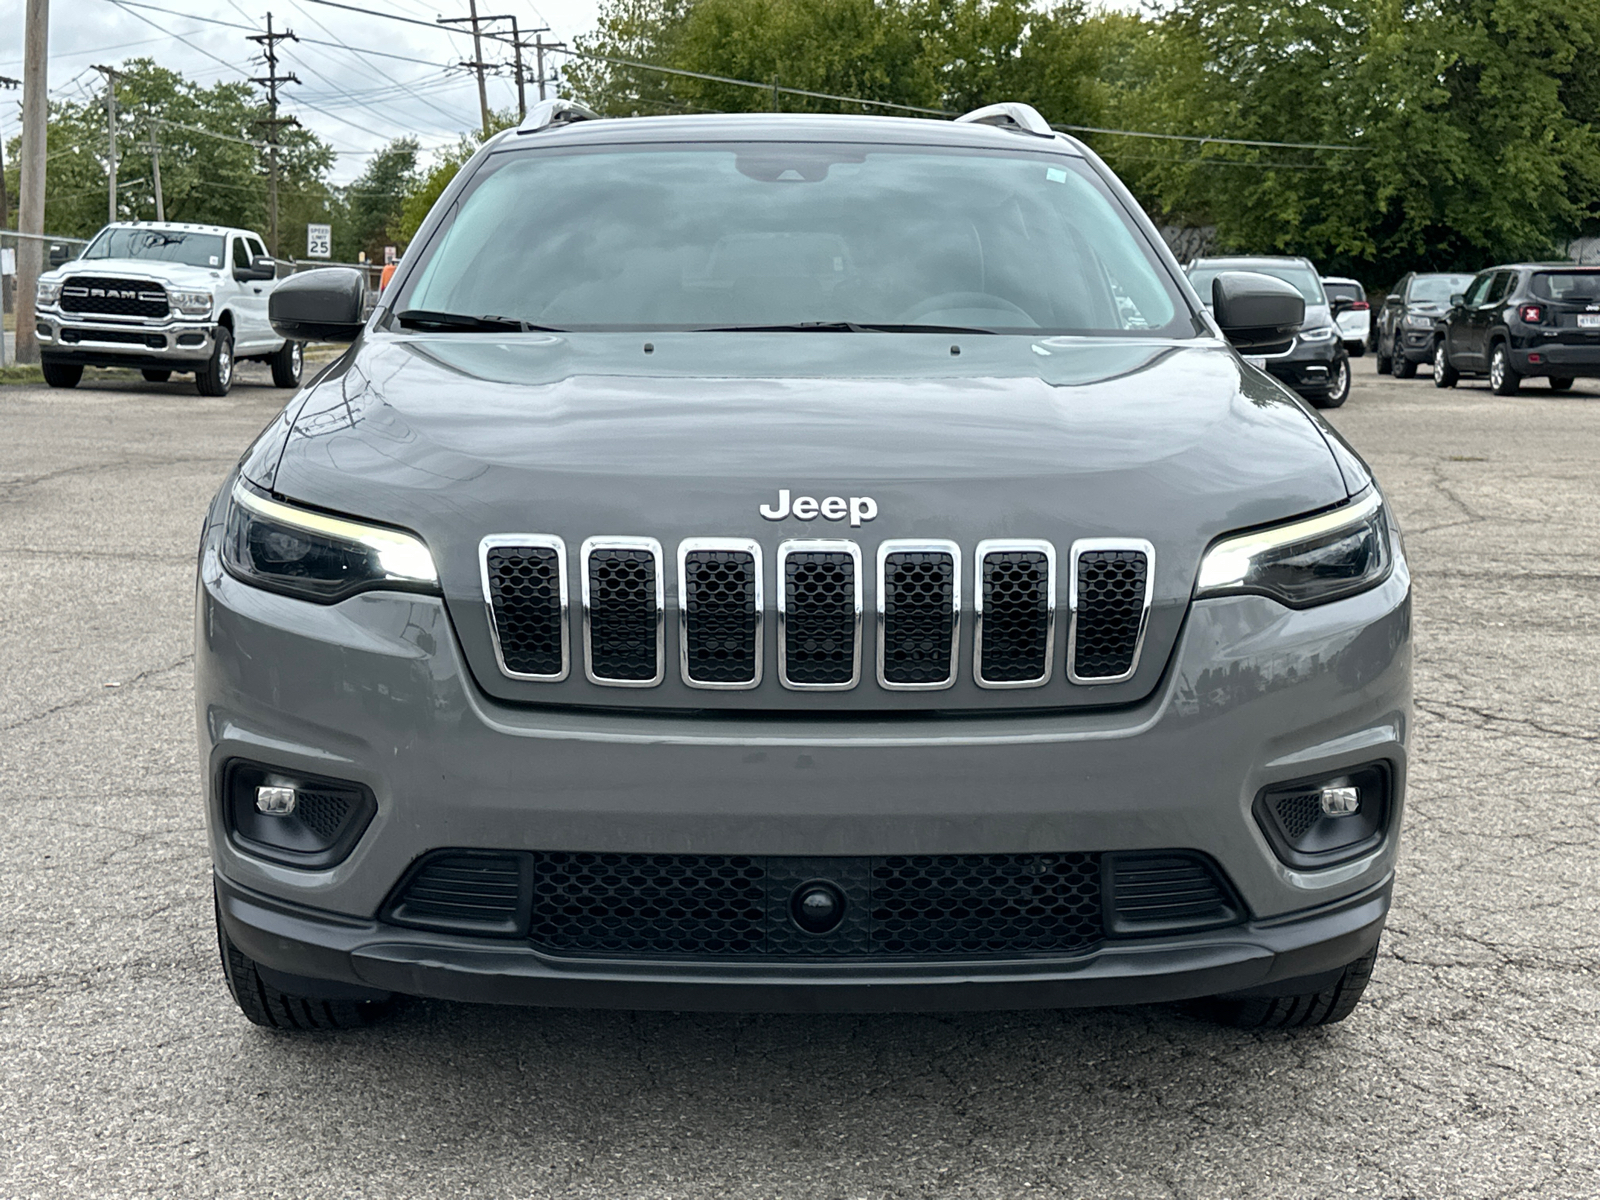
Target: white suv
(163, 297)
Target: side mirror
(325, 305)
(1457, 300)
(261, 267)
(1257, 313)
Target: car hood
(458, 437)
(173, 274)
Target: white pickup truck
(164, 298)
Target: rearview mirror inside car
(325, 305)
(1256, 312)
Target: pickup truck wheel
(64, 375)
(1444, 375)
(287, 364)
(1503, 377)
(1332, 1002)
(216, 377)
(156, 376)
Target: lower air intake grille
(709, 906)
(1110, 613)
(526, 597)
(623, 599)
(820, 618)
(1164, 893)
(471, 893)
(720, 618)
(1298, 812)
(918, 605)
(1016, 595)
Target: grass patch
(21, 374)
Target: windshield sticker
(213, 260)
(1055, 175)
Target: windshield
(1302, 279)
(1436, 289)
(783, 234)
(158, 245)
(1583, 286)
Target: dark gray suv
(798, 562)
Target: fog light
(279, 801)
(1336, 801)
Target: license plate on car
(1589, 320)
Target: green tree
(375, 201)
(429, 185)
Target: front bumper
(1415, 345)
(1307, 367)
(173, 344)
(375, 690)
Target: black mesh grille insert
(719, 615)
(1298, 813)
(709, 906)
(1111, 589)
(1016, 616)
(819, 617)
(113, 297)
(623, 614)
(1167, 891)
(323, 813)
(525, 594)
(918, 616)
(476, 892)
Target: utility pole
(30, 204)
(155, 166)
(539, 47)
(112, 75)
(477, 64)
(269, 43)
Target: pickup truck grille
(113, 297)
(720, 621)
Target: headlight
(1312, 561)
(190, 304)
(48, 292)
(1418, 321)
(1320, 334)
(318, 557)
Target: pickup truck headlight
(318, 557)
(1306, 562)
(190, 304)
(49, 291)
(1320, 334)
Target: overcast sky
(350, 94)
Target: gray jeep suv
(798, 562)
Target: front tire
(287, 364)
(153, 375)
(1503, 377)
(1338, 384)
(1326, 1006)
(1403, 367)
(216, 377)
(1560, 383)
(62, 375)
(1444, 375)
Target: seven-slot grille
(719, 605)
(819, 615)
(919, 602)
(113, 297)
(720, 587)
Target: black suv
(1316, 364)
(1403, 329)
(1522, 320)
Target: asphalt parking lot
(1473, 1069)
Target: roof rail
(1012, 115)
(548, 113)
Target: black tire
(1560, 384)
(1504, 379)
(1385, 361)
(1338, 385)
(1403, 367)
(153, 375)
(216, 377)
(62, 375)
(266, 1006)
(1356, 349)
(1444, 375)
(1326, 1006)
(287, 364)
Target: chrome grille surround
(729, 546)
(919, 546)
(638, 545)
(539, 541)
(816, 546)
(991, 546)
(1127, 546)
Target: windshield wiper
(422, 318)
(841, 327)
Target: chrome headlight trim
(190, 303)
(48, 292)
(1236, 565)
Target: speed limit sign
(319, 241)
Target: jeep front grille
(719, 608)
(919, 606)
(1014, 640)
(622, 611)
(525, 585)
(113, 297)
(1110, 602)
(819, 615)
